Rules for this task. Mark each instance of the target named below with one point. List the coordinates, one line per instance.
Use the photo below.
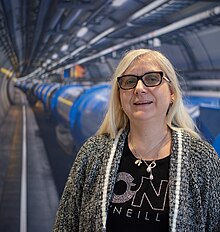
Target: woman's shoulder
(92, 150)
(94, 145)
(104, 140)
(197, 148)
(202, 145)
(201, 151)
(97, 141)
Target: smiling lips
(143, 102)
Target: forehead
(141, 65)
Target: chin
(143, 116)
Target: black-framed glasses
(150, 79)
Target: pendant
(151, 166)
(138, 162)
(148, 169)
(151, 177)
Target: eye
(152, 78)
(129, 81)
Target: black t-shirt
(138, 203)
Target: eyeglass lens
(149, 79)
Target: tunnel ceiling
(55, 33)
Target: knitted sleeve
(213, 217)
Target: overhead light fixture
(156, 42)
(102, 59)
(117, 3)
(114, 54)
(64, 47)
(54, 56)
(82, 31)
(48, 61)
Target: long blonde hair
(177, 116)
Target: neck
(148, 133)
(149, 143)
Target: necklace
(153, 163)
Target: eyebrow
(143, 73)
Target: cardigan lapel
(178, 179)
(109, 179)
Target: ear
(172, 95)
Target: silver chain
(153, 163)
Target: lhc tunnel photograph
(109, 115)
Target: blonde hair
(177, 116)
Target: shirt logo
(140, 195)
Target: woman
(146, 169)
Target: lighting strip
(102, 35)
(147, 9)
(23, 198)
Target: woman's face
(145, 103)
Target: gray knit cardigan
(194, 185)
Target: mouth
(143, 103)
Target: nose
(140, 87)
